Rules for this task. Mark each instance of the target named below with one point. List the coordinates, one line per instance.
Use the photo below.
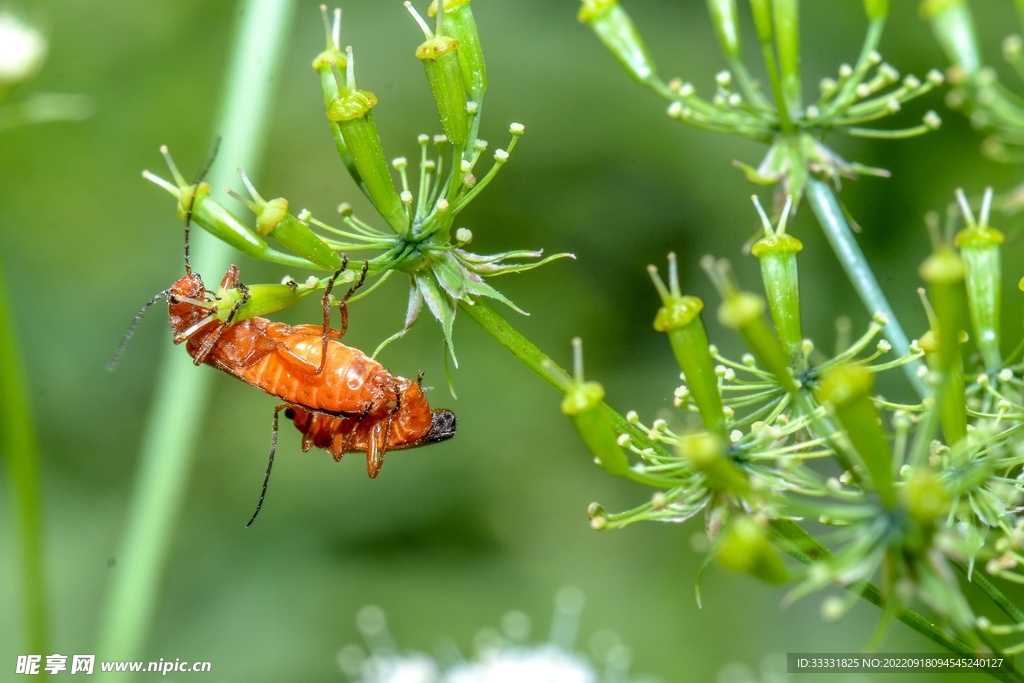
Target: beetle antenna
(192, 199)
(270, 466)
(112, 365)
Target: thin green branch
(21, 452)
(826, 208)
(992, 593)
(176, 416)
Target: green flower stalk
(744, 312)
(944, 272)
(679, 317)
(953, 397)
(777, 253)
(847, 388)
(980, 247)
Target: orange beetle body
(342, 401)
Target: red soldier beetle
(339, 398)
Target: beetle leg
(343, 304)
(270, 465)
(326, 334)
(375, 452)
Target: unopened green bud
(745, 548)
(727, 25)
(618, 33)
(953, 25)
(980, 249)
(925, 497)
(762, 10)
(777, 253)
(848, 389)
(952, 401)
(439, 54)
(744, 312)
(263, 299)
(679, 318)
(352, 112)
(944, 272)
(273, 219)
(876, 9)
(583, 403)
(459, 24)
(787, 44)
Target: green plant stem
(791, 537)
(182, 390)
(992, 593)
(21, 452)
(826, 208)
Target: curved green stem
(182, 390)
(21, 452)
(826, 208)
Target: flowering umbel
(422, 240)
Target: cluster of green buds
(991, 106)
(863, 93)
(421, 239)
(915, 489)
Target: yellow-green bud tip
(582, 397)
(592, 9)
(844, 384)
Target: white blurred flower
(22, 49)
(544, 664)
(500, 656)
(411, 668)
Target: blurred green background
(450, 537)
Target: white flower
(22, 50)
(546, 664)
(411, 668)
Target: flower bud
(263, 299)
(762, 10)
(944, 272)
(351, 111)
(583, 403)
(953, 25)
(439, 54)
(848, 389)
(727, 25)
(745, 547)
(679, 317)
(980, 249)
(876, 9)
(952, 401)
(744, 312)
(618, 33)
(273, 219)
(460, 25)
(777, 253)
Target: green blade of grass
(182, 390)
(21, 452)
